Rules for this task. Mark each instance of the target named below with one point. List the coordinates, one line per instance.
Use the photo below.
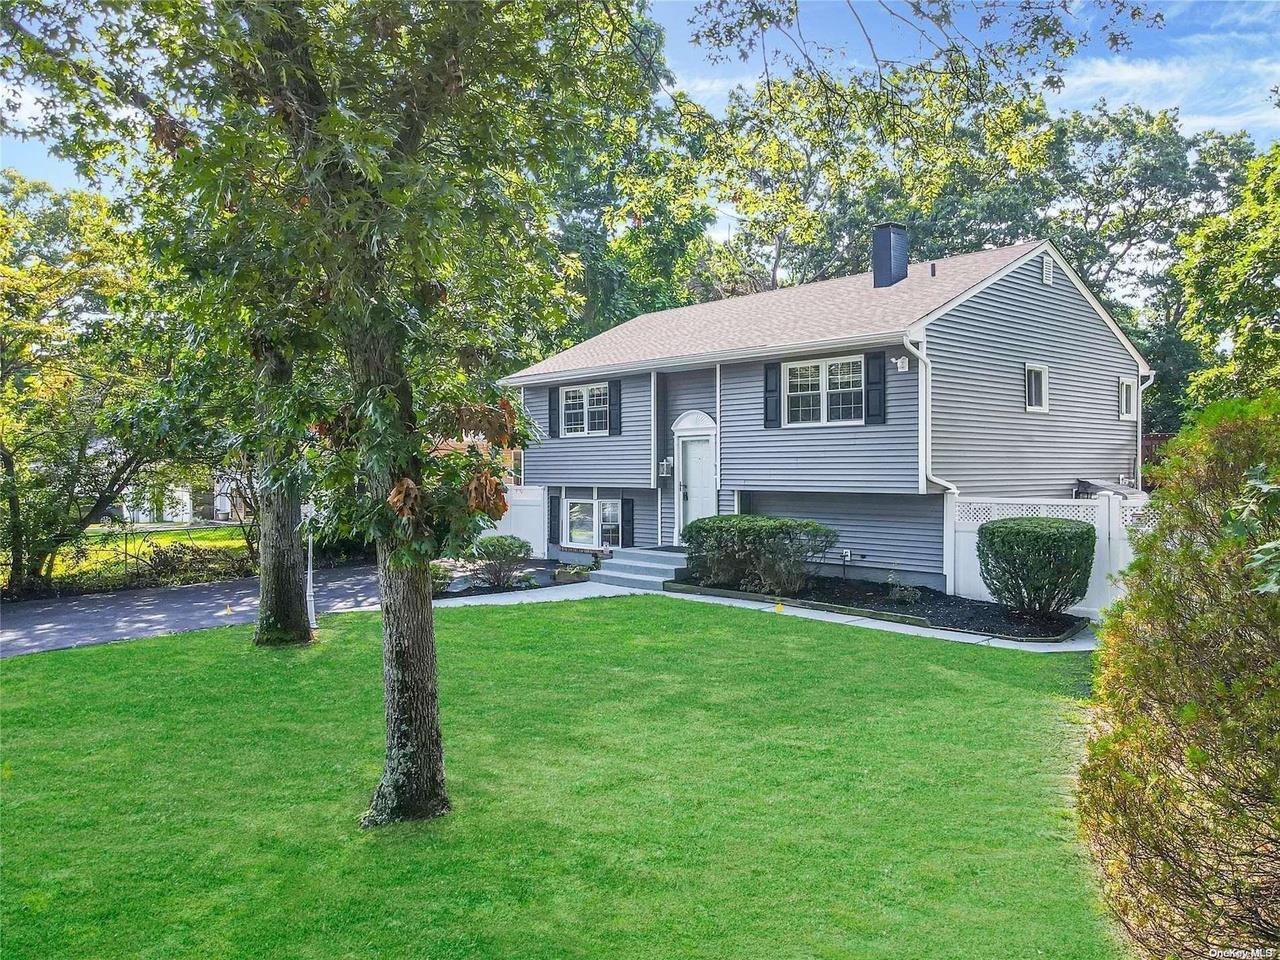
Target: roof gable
(1045, 248)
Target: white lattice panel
(977, 512)
(1086, 510)
(1113, 518)
(968, 511)
(1136, 517)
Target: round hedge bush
(1036, 565)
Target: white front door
(697, 496)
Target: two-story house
(861, 402)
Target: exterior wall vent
(1046, 269)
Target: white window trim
(1044, 380)
(823, 364)
(595, 502)
(586, 389)
(1132, 384)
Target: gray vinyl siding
(684, 391)
(883, 532)
(879, 458)
(984, 440)
(678, 394)
(726, 502)
(646, 516)
(623, 460)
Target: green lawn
(109, 559)
(640, 777)
(104, 550)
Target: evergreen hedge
(1037, 565)
(755, 553)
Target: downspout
(926, 411)
(1142, 386)
(952, 491)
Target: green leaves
(1233, 302)
(1178, 797)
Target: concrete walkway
(40, 625)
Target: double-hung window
(593, 523)
(1127, 398)
(1036, 380)
(584, 411)
(824, 391)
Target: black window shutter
(628, 523)
(615, 408)
(553, 520)
(553, 411)
(875, 388)
(772, 395)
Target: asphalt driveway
(55, 624)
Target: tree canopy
(86, 349)
(1230, 271)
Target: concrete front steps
(639, 568)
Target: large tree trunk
(413, 784)
(282, 568)
(17, 539)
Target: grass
(640, 777)
(109, 559)
(104, 550)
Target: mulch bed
(940, 610)
(479, 591)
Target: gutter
(694, 361)
(952, 491)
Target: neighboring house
(152, 504)
(861, 402)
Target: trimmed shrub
(1037, 565)
(441, 577)
(501, 559)
(1179, 796)
(755, 553)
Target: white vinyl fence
(526, 517)
(1112, 516)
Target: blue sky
(1214, 61)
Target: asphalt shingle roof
(811, 313)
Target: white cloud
(20, 104)
(710, 86)
(1247, 13)
(1222, 87)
